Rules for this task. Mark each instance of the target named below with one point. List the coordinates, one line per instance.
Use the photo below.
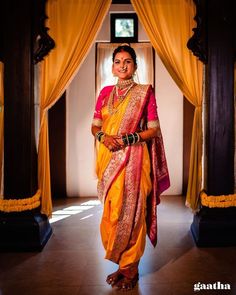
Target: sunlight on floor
(72, 210)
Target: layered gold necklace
(121, 89)
(124, 83)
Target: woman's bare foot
(114, 277)
(127, 284)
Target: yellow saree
(123, 226)
(125, 181)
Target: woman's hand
(112, 142)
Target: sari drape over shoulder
(131, 179)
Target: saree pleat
(123, 206)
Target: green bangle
(131, 138)
(102, 138)
(99, 135)
(124, 139)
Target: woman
(131, 167)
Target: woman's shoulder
(104, 94)
(147, 87)
(144, 85)
(106, 89)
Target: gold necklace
(124, 83)
(110, 104)
(122, 96)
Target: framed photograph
(124, 27)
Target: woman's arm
(148, 134)
(95, 129)
(152, 119)
(110, 141)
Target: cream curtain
(145, 63)
(73, 25)
(169, 26)
(1, 128)
(145, 69)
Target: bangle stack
(130, 138)
(100, 136)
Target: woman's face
(123, 66)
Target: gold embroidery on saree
(131, 201)
(128, 124)
(131, 207)
(111, 171)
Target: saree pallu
(126, 178)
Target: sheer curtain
(145, 62)
(169, 26)
(73, 25)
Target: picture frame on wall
(124, 27)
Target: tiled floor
(72, 261)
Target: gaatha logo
(215, 286)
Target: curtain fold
(73, 26)
(169, 26)
(1, 127)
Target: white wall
(170, 109)
(80, 176)
(81, 179)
